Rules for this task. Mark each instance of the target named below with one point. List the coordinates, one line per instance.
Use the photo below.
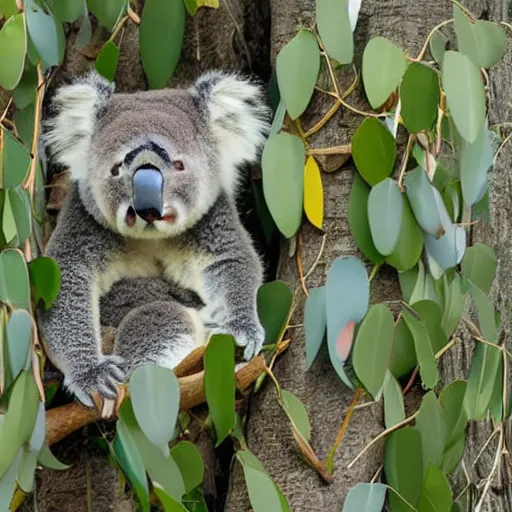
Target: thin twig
(423, 51)
(405, 159)
(486, 444)
(317, 260)
(299, 266)
(345, 149)
(133, 15)
(507, 138)
(4, 113)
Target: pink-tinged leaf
(344, 340)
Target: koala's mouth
(131, 218)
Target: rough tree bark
(407, 24)
(226, 39)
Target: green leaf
(19, 419)
(482, 374)
(454, 304)
(169, 503)
(24, 120)
(479, 266)
(219, 383)
(108, 13)
(263, 494)
(160, 468)
(464, 89)
(423, 202)
(274, 301)
(403, 466)
(347, 298)
(403, 355)
(20, 204)
(431, 425)
(161, 33)
(372, 351)
(394, 410)
(383, 67)
(8, 220)
(155, 394)
(424, 353)
(45, 280)
(8, 8)
(297, 412)
(19, 335)
(475, 160)
(419, 287)
(36, 441)
(483, 42)
(358, 220)
(194, 501)
(437, 45)
(67, 10)
(26, 469)
(373, 151)
(25, 92)
(15, 160)
(436, 494)
(14, 285)
(190, 463)
(8, 482)
(419, 93)
(409, 246)
(431, 315)
(486, 315)
(46, 33)
(365, 497)
(453, 455)
(128, 457)
(451, 399)
(283, 181)
(48, 460)
(297, 66)
(333, 24)
(385, 212)
(106, 61)
(315, 323)
(193, 5)
(409, 281)
(13, 42)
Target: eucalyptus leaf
(274, 301)
(106, 61)
(383, 66)
(37, 438)
(453, 455)
(372, 349)
(394, 410)
(25, 92)
(451, 399)
(385, 211)
(45, 280)
(315, 323)
(190, 464)
(155, 397)
(297, 412)
(8, 221)
(15, 160)
(358, 220)
(220, 384)
(8, 482)
(20, 204)
(161, 32)
(283, 181)
(14, 285)
(455, 301)
(169, 503)
(436, 494)
(437, 44)
(479, 266)
(108, 13)
(464, 89)
(486, 314)
(333, 22)
(419, 287)
(46, 458)
(431, 315)
(373, 151)
(13, 42)
(26, 469)
(19, 336)
(67, 10)
(364, 497)
(403, 355)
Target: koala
(153, 183)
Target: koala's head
(151, 164)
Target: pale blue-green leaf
(278, 120)
(424, 352)
(20, 204)
(36, 440)
(48, 460)
(315, 323)
(283, 181)
(394, 410)
(26, 470)
(333, 23)
(347, 297)
(353, 12)
(19, 335)
(8, 220)
(479, 266)
(437, 44)
(430, 292)
(372, 348)
(383, 66)
(15, 160)
(190, 463)
(108, 13)
(13, 42)
(431, 424)
(365, 497)
(155, 397)
(451, 399)
(422, 200)
(8, 482)
(436, 494)
(297, 66)
(85, 33)
(465, 97)
(169, 503)
(453, 455)
(297, 413)
(454, 304)
(385, 209)
(486, 315)
(419, 287)
(14, 284)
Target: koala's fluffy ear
(239, 120)
(67, 133)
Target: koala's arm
(231, 282)
(71, 328)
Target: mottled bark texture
(407, 24)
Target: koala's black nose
(148, 193)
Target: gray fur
(167, 285)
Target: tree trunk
(407, 24)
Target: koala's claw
(250, 335)
(103, 379)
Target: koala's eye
(115, 170)
(178, 165)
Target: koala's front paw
(248, 334)
(104, 378)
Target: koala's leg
(161, 332)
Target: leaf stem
(423, 51)
(374, 271)
(405, 159)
